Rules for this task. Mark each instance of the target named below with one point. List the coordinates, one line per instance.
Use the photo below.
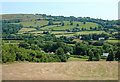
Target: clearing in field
(72, 70)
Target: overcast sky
(105, 9)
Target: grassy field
(64, 35)
(76, 59)
(50, 27)
(36, 32)
(113, 41)
(61, 32)
(71, 70)
(77, 40)
(81, 25)
(34, 23)
(90, 32)
(26, 30)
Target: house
(70, 36)
(50, 53)
(42, 51)
(91, 39)
(105, 54)
(68, 53)
(80, 37)
(101, 39)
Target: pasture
(34, 23)
(90, 32)
(26, 30)
(71, 70)
(113, 41)
(81, 25)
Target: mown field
(72, 70)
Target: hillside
(81, 38)
(60, 25)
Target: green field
(76, 59)
(26, 30)
(113, 41)
(90, 32)
(81, 25)
(34, 23)
(50, 27)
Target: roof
(68, 53)
(70, 36)
(105, 54)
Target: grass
(77, 40)
(13, 41)
(26, 30)
(34, 24)
(76, 59)
(37, 32)
(50, 27)
(81, 25)
(71, 70)
(113, 41)
(90, 32)
(61, 32)
(64, 35)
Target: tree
(62, 23)
(84, 22)
(61, 54)
(97, 56)
(50, 22)
(90, 28)
(24, 45)
(77, 24)
(110, 56)
(117, 55)
(91, 55)
(71, 22)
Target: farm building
(68, 53)
(50, 53)
(105, 54)
(80, 37)
(101, 39)
(71, 37)
(42, 51)
(91, 39)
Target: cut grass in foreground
(72, 70)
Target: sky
(107, 9)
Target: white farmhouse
(105, 54)
(101, 39)
(68, 53)
(80, 37)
